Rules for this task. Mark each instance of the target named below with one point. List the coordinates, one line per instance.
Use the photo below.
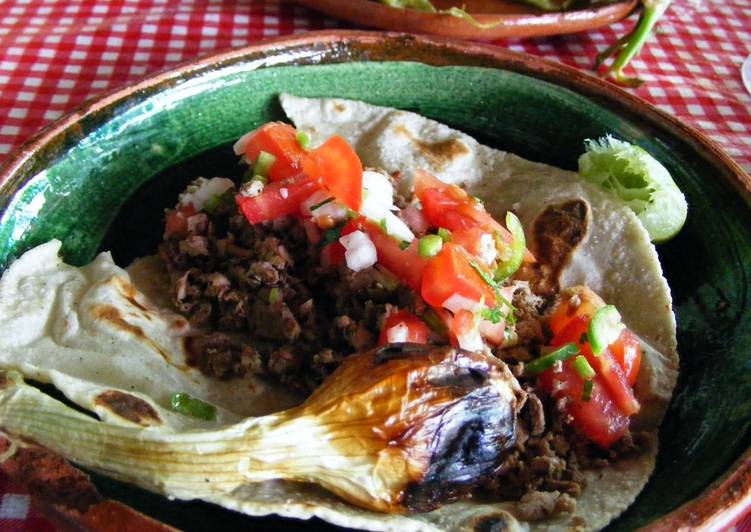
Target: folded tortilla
(94, 334)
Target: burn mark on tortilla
(339, 108)
(556, 233)
(129, 292)
(440, 153)
(129, 407)
(495, 522)
(112, 315)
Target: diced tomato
(587, 304)
(176, 224)
(493, 333)
(450, 207)
(417, 330)
(334, 164)
(279, 198)
(311, 231)
(332, 254)
(415, 220)
(405, 264)
(451, 273)
(340, 171)
(605, 365)
(598, 419)
(280, 140)
(627, 352)
(469, 239)
(462, 327)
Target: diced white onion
(360, 253)
(239, 146)
(457, 302)
(283, 192)
(314, 199)
(488, 251)
(398, 333)
(202, 190)
(494, 333)
(252, 188)
(378, 200)
(379, 187)
(333, 210)
(471, 340)
(336, 211)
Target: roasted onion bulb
(395, 429)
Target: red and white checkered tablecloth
(54, 54)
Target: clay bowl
(100, 177)
(509, 18)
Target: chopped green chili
(546, 362)
(445, 234)
(263, 164)
(184, 404)
(587, 392)
(429, 245)
(303, 139)
(275, 295)
(515, 250)
(583, 368)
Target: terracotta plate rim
(535, 23)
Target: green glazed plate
(100, 179)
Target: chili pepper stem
(631, 44)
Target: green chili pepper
(583, 368)
(445, 234)
(184, 404)
(587, 392)
(275, 295)
(220, 202)
(263, 164)
(546, 362)
(604, 328)
(429, 245)
(303, 139)
(516, 249)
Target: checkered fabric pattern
(55, 54)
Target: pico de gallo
(457, 266)
(315, 257)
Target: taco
(359, 329)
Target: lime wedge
(637, 178)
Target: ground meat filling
(266, 305)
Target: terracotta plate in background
(100, 178)
(513, 19)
